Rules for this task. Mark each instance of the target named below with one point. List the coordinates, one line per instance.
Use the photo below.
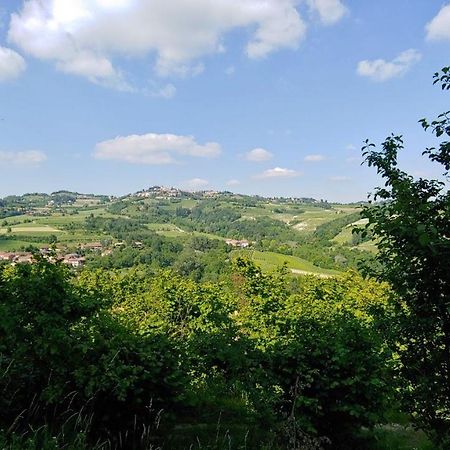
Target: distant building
(23, 258)
(96, 246)
(160, 192)
(7, 256)
(210, 194)
(237, 243)
(74, 260)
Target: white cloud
(279, 26)
(278, 172)
(340, 178)
(197, 183)
(25, 158)
(233, 182)
(83, 37)
(154, 148)
(95, 68)
(314, 158)
(381, 70)
(439, 27)
(258, 155)
(350, 147)
(12, 64)
(330, 11)
(230, 70)
(167, 91)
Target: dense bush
(324, 348)
(126, 350)
(62, 352)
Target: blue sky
(271, 97)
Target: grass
(398, 437)
(32, 230)
(345, 237)
(8, 245)
(57, 219)
(208, 235)
(170, 233)
(171, 204)
(369, 246)
(173, 231)
(223, 435)
(167, 229)
(271, 261)
(80, 236)
(311, 219)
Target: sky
(268, 97)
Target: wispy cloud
(258, 155)
(230, 70)
(167, 91)
(278, 172)
(314, 158)
(340, 178)
(381, 70)
(197, 183)
(154, 148)
(12, 65)
(25, 158)
(438, 29)
(330, 11)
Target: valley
(173, 226)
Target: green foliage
(443, 78)
(133, 354)
(411, 224)
(59, 342)
(329, 230)
(43, 439)
(324, 348)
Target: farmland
(280, 231)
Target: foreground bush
(324, 350)
(63, 356)
(141, 361)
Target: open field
(31, 229)
(67, 222)
(7, 245)
(173, 231)
(310, 220)
(58, 219)
(271, 261)
(369, 246)
(166, 229)
(171, 204)
(312, 217)
(345, 237)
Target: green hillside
(310, 236)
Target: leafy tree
(411, 222)
(326, 367)
(64, 356)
